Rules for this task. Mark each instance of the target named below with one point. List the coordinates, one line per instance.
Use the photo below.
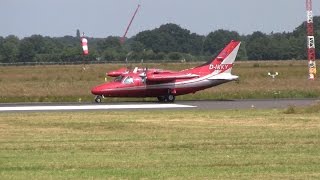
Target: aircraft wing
(167, 77)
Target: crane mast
(311, 42)
(123, 38)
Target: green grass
(71, 83)
(250, 144)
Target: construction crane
(311, 42)
(123, 38)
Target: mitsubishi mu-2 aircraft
(165, 84)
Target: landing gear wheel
(170, 98)
(98, 99)
(161, 99)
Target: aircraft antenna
(123, 38)
(310, 41)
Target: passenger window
(128, 80)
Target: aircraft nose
(104, 89)
(96, 90)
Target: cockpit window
(118, 79)
(128, 80)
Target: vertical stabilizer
(224, 61)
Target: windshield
(118, 79)
(128, 80)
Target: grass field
(73, 83)
(249, 144)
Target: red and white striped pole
(310, 42)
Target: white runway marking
(93, 107)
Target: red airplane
(166, 85)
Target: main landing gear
(168, 98)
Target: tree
(1, 49)
(242, 54)
(170, 38)
(109, 43)
(26, 51)
(258, 46)
(174, 56)
(215, 41)
(111, 49)
(137, 46)
(10, 49)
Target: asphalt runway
(252, 103)
(201, 105)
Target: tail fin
(227, 57)
(223, 63)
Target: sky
(103, 18)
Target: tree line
(168, 42)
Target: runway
(200, 105)
(252, 103)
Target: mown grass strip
(194, 144)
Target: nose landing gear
(98, 99)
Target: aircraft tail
(223, 63)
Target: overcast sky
(102, 18)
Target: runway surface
(201, 105)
